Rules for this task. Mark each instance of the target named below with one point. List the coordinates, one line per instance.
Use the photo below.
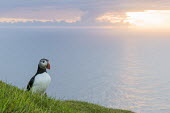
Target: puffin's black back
(30, 83)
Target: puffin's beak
(48, 65)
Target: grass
(14, 100)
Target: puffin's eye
(43, 61)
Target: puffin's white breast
(41, 82)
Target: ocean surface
(116, 68)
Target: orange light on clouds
(41, 14)
(15, 20)
(145, 19)
(149, 18)
(110, 17)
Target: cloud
(75, 11)
(142, 19)
(16, 20)
(112, 17)
(41, 14)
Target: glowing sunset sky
(142, 13)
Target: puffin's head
(44, 64)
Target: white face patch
(43, 63)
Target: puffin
(41, 80)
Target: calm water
(113, 68)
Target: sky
(85, 12)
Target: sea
(113, 67)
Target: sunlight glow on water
(126, 70)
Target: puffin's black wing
(30, 84)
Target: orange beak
(48, 65)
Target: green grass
(14, 100)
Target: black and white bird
(41, 80)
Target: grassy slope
(15, 100)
